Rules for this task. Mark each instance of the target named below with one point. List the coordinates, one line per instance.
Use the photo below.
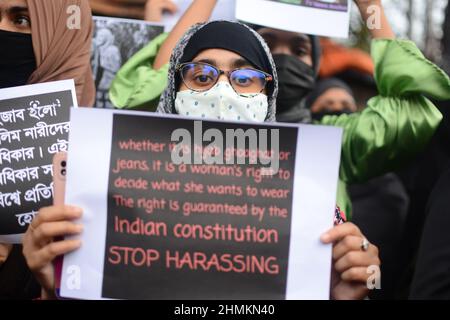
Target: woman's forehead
(282, 35)
(333, 91)
(222, 58)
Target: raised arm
(400, 121)
(372, 13)
(199, 11)
(154, 9)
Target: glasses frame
(268, 78)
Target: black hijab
(224, 35)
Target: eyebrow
(295, 36)
(302, 36)
(17, 9)
(235, 64)
(301, 39)
(239, 63)
(208, 61)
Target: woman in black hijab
(196, 61)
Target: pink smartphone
(59, 178)
(59, 190)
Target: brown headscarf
(62, 53)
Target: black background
(157, 282)
(8, 220)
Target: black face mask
(296, 80)
(319, 115)
(17, 60)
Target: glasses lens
(248, 81)
(199, 77)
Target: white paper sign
(154, 229)
(330, 18)
(224, 10)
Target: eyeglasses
(201, 77)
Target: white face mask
(223, 103)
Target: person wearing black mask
(331, 97)
(369, 137)
(384, 195)
(17, 63)
(37, 47)
(17, 60)
(297, 57)
(386, 134)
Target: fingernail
(80, 228)
(325, 238)
(75, 209)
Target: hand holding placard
(157, 229)
(40, 249)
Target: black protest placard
(33, 127)
(200, 231)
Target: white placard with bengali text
(34, 125)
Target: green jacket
(396, 124)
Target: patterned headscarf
(167, 101)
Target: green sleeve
(400, 121)
(137, 84)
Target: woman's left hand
(350, 262)
(373, 11)
(366, 3)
